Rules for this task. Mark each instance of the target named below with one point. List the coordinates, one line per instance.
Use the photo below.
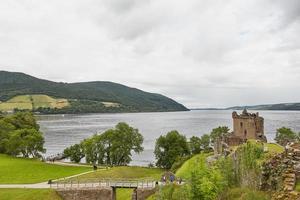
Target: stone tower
(248, 125)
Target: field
(21, 170)
(124, 172)
(29, 102)
(28, 194)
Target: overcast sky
(202, 53)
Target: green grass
(21, 170)
(124, 172)
(185, 170)
(37, 101)
(244, 194)
(274, 148)
(124, 194)
(28, 194)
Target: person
(179, 180)
(95, 167)
(172, 178)
(164, 179)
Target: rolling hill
(279, 106)
(83, 97)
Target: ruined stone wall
(280, 174)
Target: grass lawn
(124, 172)
(274, 148)
(21, 170)
(28, 194)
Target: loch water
(61, 131)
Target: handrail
(105, 183)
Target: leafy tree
(169, 147)
(200, 144)
(195, 145)
(93, 149)
(206, 182)
(205, 143)
(74, 152)
(124, 140)
(20, 135)
(113, 147)
(28, 142)
(218, 132)
(285, 135)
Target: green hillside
(32, 102)
(98, 96)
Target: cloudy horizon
(208, 53)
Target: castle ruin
(245, 126)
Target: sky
(201, 53)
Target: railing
(93, 183)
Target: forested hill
(98, 96)
(279, 106)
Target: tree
(20, 135)
(170, 147)
(205, 143)
(124, 140)
(28, 142)
(200, 144)
(219, 132)
(74, 152)
(113, 147)
(195, 145)
(285, 135)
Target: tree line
(20, 135)
(114, 147)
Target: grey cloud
(201, 53)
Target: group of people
(172, 179)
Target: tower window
(241, 124)
(245, 132)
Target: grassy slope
(21, 170)
(28, 194)
(124, 173)
(185, 170)
(27, 101)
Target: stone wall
(280, 174)
(86, 193)
(143, 194)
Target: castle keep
(245, 126)
(248, 125)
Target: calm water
(61, 131)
